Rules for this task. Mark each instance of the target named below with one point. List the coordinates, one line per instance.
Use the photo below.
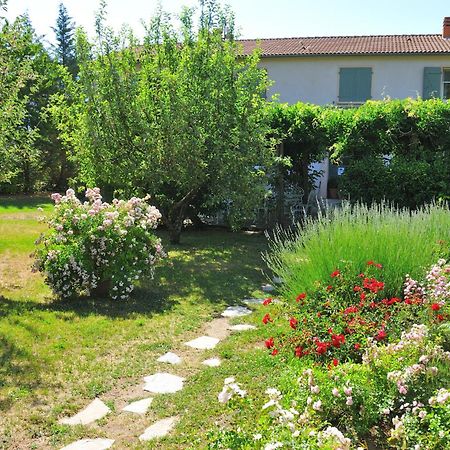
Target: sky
(260, 18)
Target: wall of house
(316, 79)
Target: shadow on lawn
(18, 369)
(214, 267)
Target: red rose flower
(351, 310)
(379, 266)
(440, 317)
(357, 346)
(356, 288)
(370, 263)
(269, 342)
(298, 352)
(361, 275)
(293, 323)
(335, 362)
(337, 340)
(300, 297)
(381, 335)
(362, 296)
(321, 347)
(435, 306)
(329, 287)
(267, 301)
(274, 352)
(335, 274)
(319, 314)
(266, 319)
(408, 301)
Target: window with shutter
(431, 82)
(446, 84)
(355, 84)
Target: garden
(126, 321)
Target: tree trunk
(175, 231)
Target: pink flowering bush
(98, 248)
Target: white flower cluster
(331, 437)
(230, 388)
(95, 244)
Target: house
(348, 70)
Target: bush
(95, 247)
(403, 241)
(396, 150)
(394, 394)
(346, 313)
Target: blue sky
(263, 18)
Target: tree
(27, 81)
(181, 117)
(65, 39)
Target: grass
(55, 356)
(404, 242)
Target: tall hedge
(397, 150)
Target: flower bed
(98, 248)
(355, 368)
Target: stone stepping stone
(163, 383)
(170, 358)
(94, 411)
(236, 311)
(139, 407)
(203, 343)
(90, 444)
(159, 429)
(253, 301)
(242, 327)
(267, 288)
(212, 362)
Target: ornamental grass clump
(97, 248)
(404, 241)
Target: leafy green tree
(29, 79)
(181, 116)
(65, 40)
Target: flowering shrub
(94, 246)
(396, 393)
(336, 322)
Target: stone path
(140, 406)
(159, 429)
(94, 411)
(164, 382)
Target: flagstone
(212, 362)
(242, 327)
(267, 288)
(170, 358)
(253, 301)
(139, 407)
(94, 411)
(90, 444)
(163, 383)
(159, 429)
(236, 311)
(203, 343)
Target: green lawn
(57, 355)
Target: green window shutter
(355, 84)
(431, 82)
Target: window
(446, 84)
(355, 84)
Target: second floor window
(446, 84)
(355, 84)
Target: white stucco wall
(316, 79)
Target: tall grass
(404, 241)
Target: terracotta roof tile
(350, 45)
